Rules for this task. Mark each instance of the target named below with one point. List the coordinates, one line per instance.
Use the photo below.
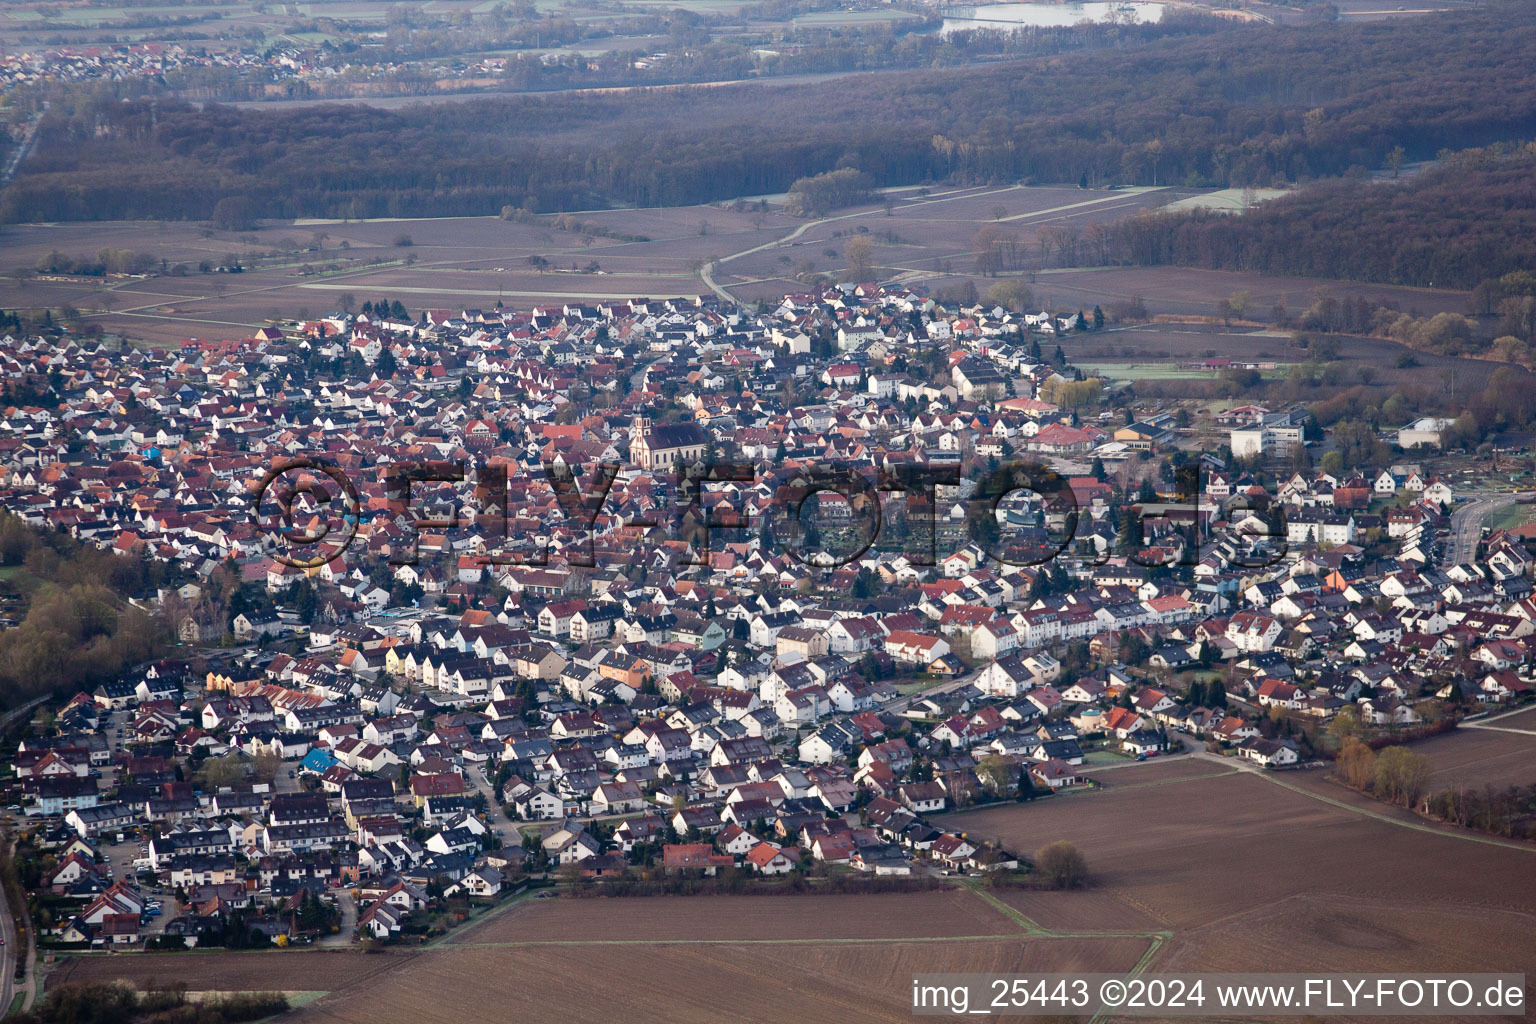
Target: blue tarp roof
(317, 760)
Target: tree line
(1397, 775)
(1502, 811)
(1237, 107)
(1401, 776)
(78, 630)
(1467, 220)
(698, 48)
(118, 1002)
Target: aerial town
(279, 72)
(587, 688)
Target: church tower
(638, 448)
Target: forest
(1242, 106)
(1470, 218)
(121, 1003)
(418, 48)
(78, 631)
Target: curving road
(11, 950)
(707, 272)
(8, 961)
(1467, 526)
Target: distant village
(275, 71)
(514, 703)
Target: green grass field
(1160, 371)
(850, 17)
(1104, 757)
(1510, 516)
(696, 6)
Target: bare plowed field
(944, 914)
(1196, 852)
(694, 983)
(927, 240)
(1157, 772)
(1096, 910)
(1188, 288)
(288, 971)
(1484, 757)
(1247, 874)
(1350, 934)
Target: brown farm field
(1187, 290)
(1156, 772)
(1524, 719)
(752, 250)
(1304, 933)
(1499, 751)
(1219, 839)
(1097, 910)
(288, 971)
(1496, 755)
(944, 914)
(695, 984)
(454, 262)
(1430, 375)
(773, 957)
(926, 237)
(1195, 866)
(1252, 876)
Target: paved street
(901, 704)
(13, 947)
(343, 935)
(493, 816)
(8, 961)
(1467, 525)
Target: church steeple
(638, 445)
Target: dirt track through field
(1192, 870)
